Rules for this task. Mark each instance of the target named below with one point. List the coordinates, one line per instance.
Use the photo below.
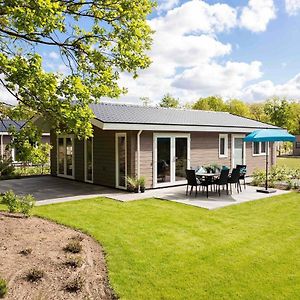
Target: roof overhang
(166, 127)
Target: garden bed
(28, 244)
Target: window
(259, 148)
(223, 145)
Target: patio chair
(222, 181)
(208, 181)
(192, 181)
(243, 171)
(234, 178)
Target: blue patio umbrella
(269, 135)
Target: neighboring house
(5, 138)
(296, 147)
(158, 143)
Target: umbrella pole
(267, 165)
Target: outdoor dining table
(207, 175)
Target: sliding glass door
(88, 160)
(65, 156)
(171, 158)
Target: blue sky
(247, 49)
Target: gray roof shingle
(134, 114)
(6, 123)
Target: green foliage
(26, 205)
(213, 103)
(15, 203)
(115, 39)
(11, 200)
(238, 107)
(132, 182)
(3, 288)
(169, 101)
(142, 181)
(6, 167)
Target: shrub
(26, 204)
(74, 262)
(75, 285)
(11, 200)
(3, 288)
(6, 168)
(35, 275)
(26, 251)
(73, 247)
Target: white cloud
(54, 55)
(292, 7)
(257, 15)
(5, 95)
(165, 5)
(266, 88)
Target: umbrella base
(268, 191)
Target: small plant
(11, 200)
(26, 204)
(74, 262)
(73, 247)
(132, 184)
(3, 288)
(35, 275)
(142, 182)
(75, 285)
(26, 251)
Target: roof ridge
(158, 107)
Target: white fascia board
(153, 127)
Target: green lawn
(290, 162)
(162, 250)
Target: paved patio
(47, 190)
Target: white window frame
(259, 152)
(117, 135)
(65, 136)
(225, 137)
(85, 161)
(172, 136)
(233, 136)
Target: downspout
(138, 143)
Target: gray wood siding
(146, 157)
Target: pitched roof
(6, 123)
(146, 115)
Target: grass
(290, 162)
(162, 250)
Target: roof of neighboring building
(147, 115)
(6, 123)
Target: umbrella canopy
(269, 135)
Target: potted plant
(132, 184)
(142, 181)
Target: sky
(234, 49)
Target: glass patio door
(238, 157)
(65, 159)
(88, 160)
(121, 160)
(171, 159)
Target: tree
(278, 111)
(169, 101)
(213, 103)
(238, 107)
(95, 39)
(257, 112)
(146, 101)
(293, 120)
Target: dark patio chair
(222, 181)
(235, 179)
(192, 181)
(206, 182)
(243, 171)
